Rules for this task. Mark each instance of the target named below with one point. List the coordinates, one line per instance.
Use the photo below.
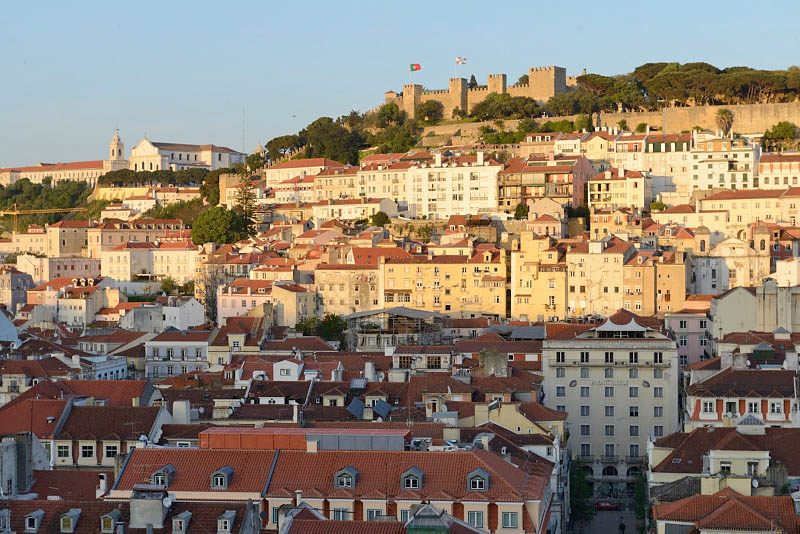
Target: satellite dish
(230, 411)
(167, 502)
(201, 409)
(755, 483)
(748, 363)
(263, 515)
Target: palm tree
(724, 120)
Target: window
(584, 372)
(345, 481)
(510, 520)
(63, 451)
(372, 514)
(609, 411)
(658, 431)
(404, 515)
(561, 391)
(633, 450)
(87, 451)
(633, 411)
(584, 391)
(633, 357)
(658, 373)
(159, 479)
(411, 483)
(585, 430)
(609, 372)
(477, 483)
(560, 372)
(586, 449)
(474, 519)
(633, 391)
(752, 407)
(633, 430)
(703, 324)
(708, 407)
(658, 357)
(658, 392)
(66, 524)
(340, 514)
(584, 357)
(683, 341)
(609, 430)
(284, 372)
(633, 373)
(218, 481)
(725, 468)
(752, 469)
(775, 407)
(585, 411)
(609, 391)
(111, 451)
(658, 411)
(609, 357)
(560, 355)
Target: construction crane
(15, 211)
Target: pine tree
(246, 204)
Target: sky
(184, 71)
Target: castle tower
(412, 95)
(545, 82)
(457, 97)
(497, 83)
(116, 148)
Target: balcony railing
(586, 458)
(609, 458)
(634, 459)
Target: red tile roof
(109, 422)
(77, 484)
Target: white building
(176, 352)
(463, 185)
(620, 188)
(352, 209)
(618, 381)
(152, 156)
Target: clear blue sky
(183, 72)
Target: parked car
(606, 505)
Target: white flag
(461, 60)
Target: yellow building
(538, 279)
(459, 286)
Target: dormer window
(478, 480)
(69, 520)
(164, 476)
(412, 479)
(109, 521)
(225, 522)
(346, 478)
(159, 479)
(221, 479)
(32, 521)
(180, 522)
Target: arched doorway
(634, 471)
(609, 471)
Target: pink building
(692, 334)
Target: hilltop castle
(543, 83)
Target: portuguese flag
(415, 66)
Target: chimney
(102, 487)
(369, 371)
(438, 158)
(312, 445)
(298, 496)
(368, 414)
(796, 502)
(180, 412)
(480, 157)
(148, 507)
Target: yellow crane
(15, 211)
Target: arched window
(634, 471)
(609, 471)
(702, 245)
(763, 244)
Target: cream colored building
(384, 180)
(344, 289)
(728, 264)
(618, 188)
(152, 156)
(287, 170)
(128, 261)
(177, 260)
(110, 234)
(724, 162)
(538, 279)
(459, 286)
(596, 276)
(778, 171)
(335, 182)
(618, 381)
(352, 209)
(464, 185)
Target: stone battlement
(543, 84)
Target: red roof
(311, 162)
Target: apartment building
(335, 182)
(654, 282)
(538, 279)
(724, 162)
(596, 276)
(525, 180)
(348, 288)
(618, 188)
(457, 185)
(290, 302)
(693, 333)
(287, 170)
(778, 171)
(352, 209)
(177, 352)
(113, 233)
(459, 286)
(728, 264)
(384, 180)
(618, 381)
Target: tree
(425, 232)
(168, 285)
(206, 289)
(255, 161)
(473, 83)
(657, 205)
(429, 112)
(782, 131)
(218, 225)
(327, 139)
(278, 147)
(580, 493)
(724, 120)
(640, 497)
(527, 125)
(521, 212)
(210, 188)
(641, 127)
(523, 80)
(332, 327)
(390, 114)
(380, 219)
(622, 125)
(246, 204)
(583, 123)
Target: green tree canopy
(782, 131)
(255, 161)
(657, 205)
(521, 211)
(641, 127)
(218, 225)
(390, 114)
(580, 493)
(246, 204)
(724, 120)
(473, 83)
(327, 139)
(583, 122)
(504, 106)
(429, 112)
(523, 80)
(380, 219)
(278, 147)
(168, 285)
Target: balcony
(586, 459)
(609, 458)
(634, 459)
